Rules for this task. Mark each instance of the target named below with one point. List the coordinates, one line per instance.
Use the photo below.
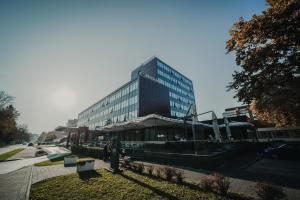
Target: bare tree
(5, 99)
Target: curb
(11, 160)
(29, 184)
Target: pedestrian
(109, 149)
(105, 152)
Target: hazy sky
(59, 57)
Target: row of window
(179, 90)
(177, 114)
(174, 80)
(107, 101)
(114, 109)
(116, 119)
(178, 105)
(180, 98)
(173, 72)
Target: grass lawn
(127, 185)
(54, 161)
(9, 154)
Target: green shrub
(169, 172)
(93, 152)
(179, 176)
(159, 172)
(268, 191)
(140, 167)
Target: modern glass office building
(155, 87)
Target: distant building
(154, 88)
(72, 123)
(238, 111)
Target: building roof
(154, 120)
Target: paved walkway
(42, 173)
(28, 152)
(16, 184)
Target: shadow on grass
(155, 190)
(86, 176)
(195, 187)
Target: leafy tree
(23, 133)
(8, 125)
(267, 47)
(9, 130)
(42, 137)
(50, 136)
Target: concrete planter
(85, 165)
(70, 160)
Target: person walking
(105, 152)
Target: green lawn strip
(55, 161)
(101, 184)
(9, 154)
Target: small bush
(179, 176)
(134, 167)
(207, 183)
(222, 183)
(268, 191)
(140, 168)
(169, 172)
(126, 161)
(123, 164)
(131, 166)
(150, 169)
(159, 172)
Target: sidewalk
(28, 152)
(16, 184)
(11, 147)
(42, 173)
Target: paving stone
(13, 186)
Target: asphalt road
(11, 147)
(26, 158)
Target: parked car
(283, 151)
(30, 144)
(40, 152)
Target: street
(11, 147)
(27, 158)
(15, 174)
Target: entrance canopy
(152, 120)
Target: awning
(152, 120)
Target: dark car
(283, 151)
(30, 144)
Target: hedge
(93, 152)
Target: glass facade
(180, 89)
(121, 105)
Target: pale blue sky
(86, 49)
